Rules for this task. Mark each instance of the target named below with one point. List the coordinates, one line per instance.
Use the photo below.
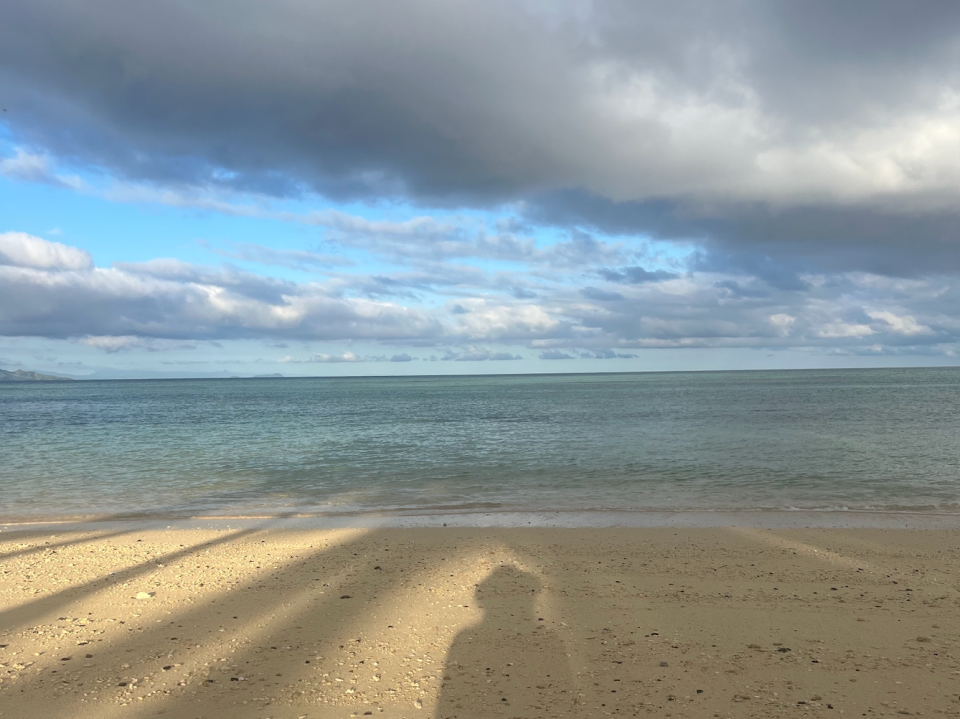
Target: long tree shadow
(304, 619)
(299, 613)
(32, 611)
(47, 546)
(35, 610)
(285, 628)
(511, 664)
(129, 524)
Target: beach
(479, 360)
(260, 621)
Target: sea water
(883, 440)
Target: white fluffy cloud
(22, 250)
(324, 358)
(842, 330)
(901, 324)
(131, 343)
(55, 291)
(51, 290)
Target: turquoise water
(884, 440)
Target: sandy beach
(474, 622)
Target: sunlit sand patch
(46, 543)
(393, 655)
(128, 618)
(198, 663)
(900, 571)
(51, 581)
(765, 536)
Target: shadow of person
(511, 664)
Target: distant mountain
(267, 376)
(21, 376)
(109, 373)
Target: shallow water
(880, 440)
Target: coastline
(760, 519)
(264, 618)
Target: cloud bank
(739, 123)
(52, 290)
(800, 159)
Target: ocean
(884, 440)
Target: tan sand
(476, 623)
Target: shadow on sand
(511, 664)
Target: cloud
(246, 284)
(66, 297)
(780, 239)
(783, 322)
(606, 354)
(31, 167)
(555, 355)
(634, 275)
(412, 284)
(112, 344)
(715, 101)
(54, 291)
(474, 354)
(901, 324)
(837, 330)
(22, 250)
(325, 359)
(498, 320)
(430, 239)
(813, 133)
(294, 259)
(523, 293)
(592, 293)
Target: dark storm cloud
(823, 134)
(344, 98)
(887, 236)
(593, 293)
(634, 275)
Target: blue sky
(408, 195)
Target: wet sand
(473, 623)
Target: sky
(237, 188)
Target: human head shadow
(512, 663)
